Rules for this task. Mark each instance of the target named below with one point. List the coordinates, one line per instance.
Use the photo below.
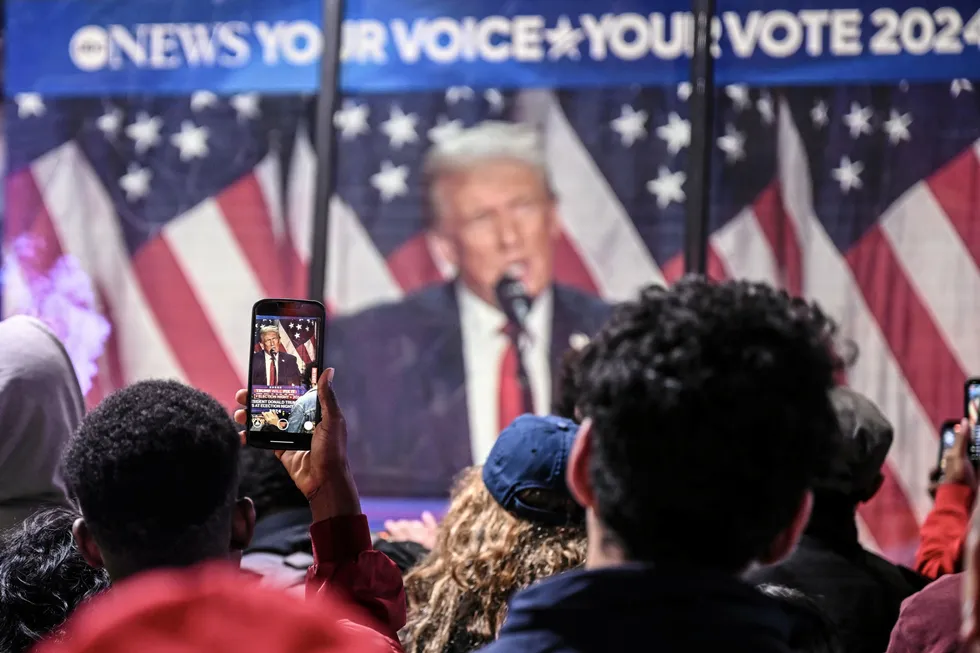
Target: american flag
(863, 198)
(297, 336)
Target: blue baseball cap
(532, 454)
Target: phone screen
(973, 416)
(282, 402)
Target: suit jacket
(288, 370)
(401, 382)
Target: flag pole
(701, 106)
(326, 148)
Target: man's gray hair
(268, 329)
(486, 141)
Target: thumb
(429, 520)
(329, 408)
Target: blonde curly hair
(457, 596)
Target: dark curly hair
(154, 469)
(711, 417)
(266, 482)
(43, 578)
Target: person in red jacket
(943, 533)
(208, 609)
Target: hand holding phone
(955, 464)
(281, 404)
(322, 474)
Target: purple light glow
(63, 298)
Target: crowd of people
(695, 489)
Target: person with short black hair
(706, 419)
(43, 578)
(862, 592)
(154, 469)
(813, 631)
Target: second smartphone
(286, 356)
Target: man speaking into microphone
(271, 365)
(428, 382)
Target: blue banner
(99, 47)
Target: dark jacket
(636, 608)
(860, 592)
(288, 370)
(402, 383)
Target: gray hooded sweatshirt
(41, 404)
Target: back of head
(457, 596)
(41, 404)
(43, 578)
(208, 609)
(710, 419)
(266, 482)
(154, 468)
(854, 473)
(813, 631)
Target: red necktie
(272, 371)
(514, 398)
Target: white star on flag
(668, 187)
(444, 128)
(766, 109)
(455, 94)
(29, 105)
(818, 114)
(246, 105)
(684, 91)
(739, 95)
(848, 175)
(202, 100)
(352, 120)
(732, 144)
(897, 127)
(400, 128)
(630, 125)
(391, 181)
(959, 86)
(495, 99)
(676, 133)
(191, 140)
(110, 122)
(136, 182)
(858, 121)
(145, 132)
(564, 40)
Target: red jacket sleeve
(944, 531)
(346, 564)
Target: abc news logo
(175, 45)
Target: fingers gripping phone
(971, 397)
(287, 351)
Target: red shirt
(347, 564)
(943, 533)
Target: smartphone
(947, 438)
(971, 396)
(287, 351)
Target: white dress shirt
(484, 345)
(269, 359)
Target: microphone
(513, 299)
(274, 351)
